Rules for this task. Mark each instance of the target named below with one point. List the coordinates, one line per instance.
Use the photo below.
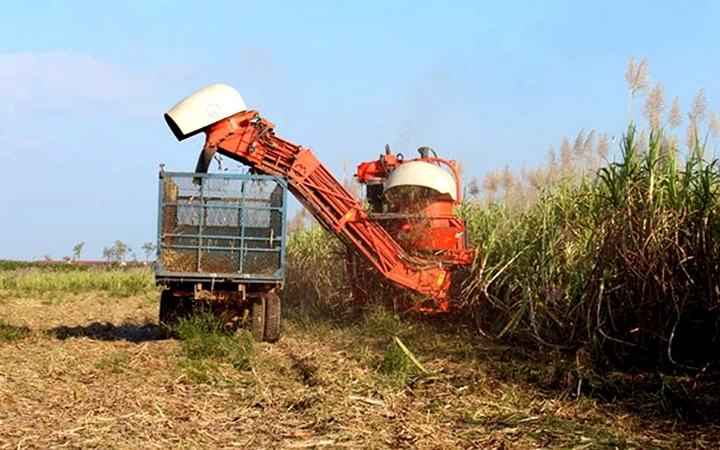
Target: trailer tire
(272, 317)
(172, 310)
(257, 319)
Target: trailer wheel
(257, 317)
(272, 317)
(172, 310)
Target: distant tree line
(119, 252)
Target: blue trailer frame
(199, 240)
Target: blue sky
(83, 87)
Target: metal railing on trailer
(221, 226)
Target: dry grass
(91, 371)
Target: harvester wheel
(257, 318)
(272, 317)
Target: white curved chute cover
(202, 108)
(425, 174)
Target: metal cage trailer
(221, 242)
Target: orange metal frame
(250, 139)
(443, 231)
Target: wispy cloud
(70, 83)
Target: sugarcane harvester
(408, 232)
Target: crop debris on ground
(92, 370)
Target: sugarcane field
(366, 226)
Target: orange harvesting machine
(406, 229)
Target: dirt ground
(89, 371)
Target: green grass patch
(394, 362)
(208, 345)
(114, 362)
(117, 283)
(9, 333)
(392, 346)
(380, 323)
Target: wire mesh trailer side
(224, 227)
